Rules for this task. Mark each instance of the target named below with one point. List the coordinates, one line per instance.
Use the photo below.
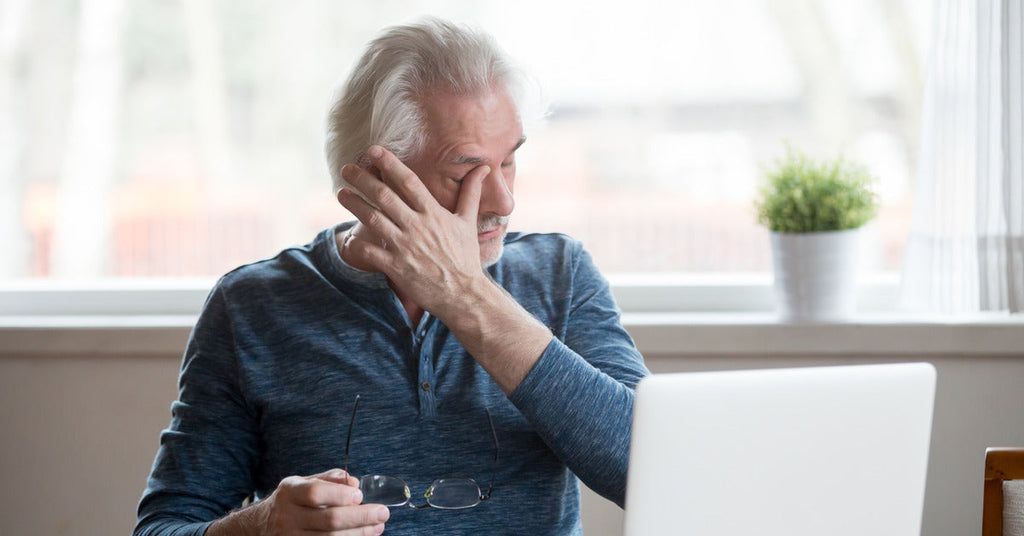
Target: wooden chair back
(1000, 464)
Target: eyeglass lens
(386, 490)
(445, 493)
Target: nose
(496, 195)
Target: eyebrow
(462, 159)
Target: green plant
(803, 195)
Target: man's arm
(202, 468)
(579, 396)
(577, 393)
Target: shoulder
(546, 260)
(533, 247)
(289, 269)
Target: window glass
(153, 138)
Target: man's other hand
(327, 503)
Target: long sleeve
(579, 395)
(204, 464)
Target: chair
(1002, 464)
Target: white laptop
(797, 452)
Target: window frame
(634, 293)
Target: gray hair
(380, 102)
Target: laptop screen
(795, 452)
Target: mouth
(491, 227)
(490, 234)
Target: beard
(490, 258)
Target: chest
(421, 411)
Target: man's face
(463, 133)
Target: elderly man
(382, 349)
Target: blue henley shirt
(283, 346)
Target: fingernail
(357, 497)
(347, 172)
(383, 514)
(376, 151)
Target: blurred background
(182, 138)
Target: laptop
(823, 451)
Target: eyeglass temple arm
(494, 468)
(352, 423)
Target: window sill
(882, 334)
(658, 333)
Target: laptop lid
(794, 452)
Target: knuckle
(336, 519)
(313, 494)
(302, 490)
(354, 496)
(370, 515)
(386, 196)
(407, 178)
(375, 219)
(289, 484)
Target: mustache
(490, 222)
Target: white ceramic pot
(815, 275)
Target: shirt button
(425, 386)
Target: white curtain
(965, 252)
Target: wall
(79, 434)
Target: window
(182, 138)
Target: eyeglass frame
(408, 502)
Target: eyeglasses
(443, 493)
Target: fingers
(367, 214)
(401, 179)
(338, 476)
(314, 492)
(378, 256)
(469, 194)
(374, 530)
(376, 194)
(326, 502)
(388, 184)
(361, 519)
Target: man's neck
(414, 311)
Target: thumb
(338, 476)
(469, 195)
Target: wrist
(480, 302)
(246, 521)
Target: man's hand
(431, 255)
(326, 503)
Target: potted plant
(814, 210)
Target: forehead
(485, 122)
